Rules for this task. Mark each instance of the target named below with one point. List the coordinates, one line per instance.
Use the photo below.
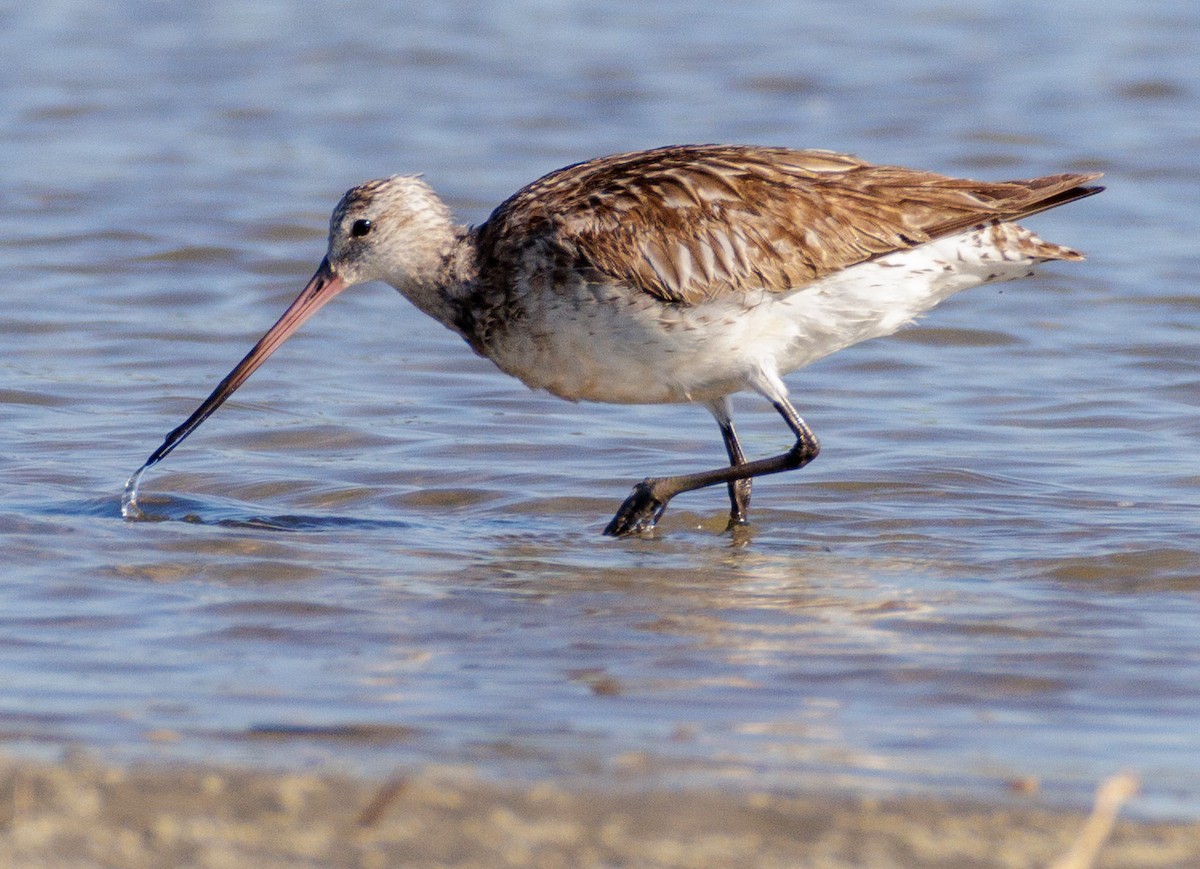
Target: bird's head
(394, 229)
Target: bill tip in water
(129, 505)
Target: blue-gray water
(383, 553)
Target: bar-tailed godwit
(680, 274)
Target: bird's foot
(735, 523)
(640, 512)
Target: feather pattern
(687, 224)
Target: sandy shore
(83, 813)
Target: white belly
(613, 344)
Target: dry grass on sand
(82, 813)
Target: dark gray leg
(739, 490)
(646, 504)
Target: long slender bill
(325, 284)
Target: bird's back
(691, 222)
(674, 274)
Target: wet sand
(85, 813)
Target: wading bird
(680, 274)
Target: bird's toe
(639, 513)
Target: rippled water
(382, 552)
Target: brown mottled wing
(688, 223)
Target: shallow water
(381, 552)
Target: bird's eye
(360, 228)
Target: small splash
(129, 505)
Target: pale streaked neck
(442, 289)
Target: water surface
(384, 553)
